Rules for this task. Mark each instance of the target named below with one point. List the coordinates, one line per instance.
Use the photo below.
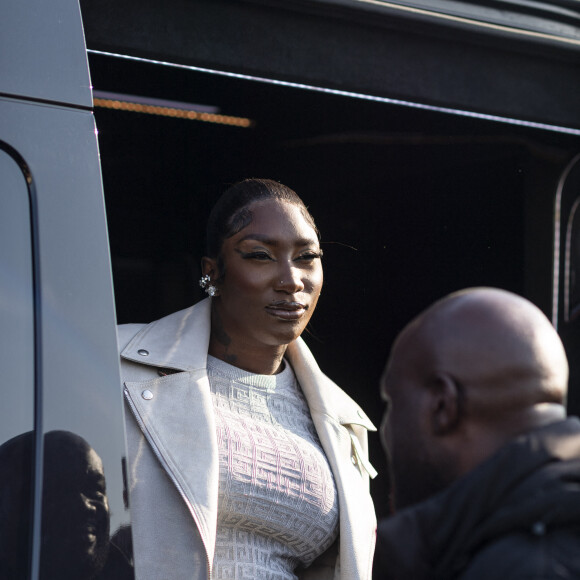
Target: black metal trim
(38, 454)
(46, 101)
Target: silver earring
(204, 282)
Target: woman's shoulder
(125, 332)
(173, 323)
(177, 341)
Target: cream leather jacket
(173, 457)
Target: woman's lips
(287, 310)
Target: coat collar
(437, 537)
(180, 341)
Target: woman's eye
(309, 256)
(262, 256)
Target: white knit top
(277, 502)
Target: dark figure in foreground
(486, 466)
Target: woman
(245, 461)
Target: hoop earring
(205, 283)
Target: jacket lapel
(341, 426)
(179, 341)
(175, 412)
(324, 397)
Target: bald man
(485, 464)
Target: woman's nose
(290, 280)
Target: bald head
(472, 371)
(496, 343)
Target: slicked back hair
(231, 212)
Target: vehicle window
(572, 282)
(17, 364)
(566, 308)
(569, 326)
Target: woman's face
(273, 277)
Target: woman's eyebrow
(259, 238)
(272, 242)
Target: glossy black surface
(79, 374)
(560, 18)
(16, 302)
(18, 363)
(62, 446)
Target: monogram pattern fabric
(277, 501)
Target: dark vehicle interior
(425, 139)
(412, 203)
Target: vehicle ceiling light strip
(481, 23)
(139, 105)
(362, 96)
(155, 102)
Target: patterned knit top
(277, 501)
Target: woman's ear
(446, 408)
(209, 268)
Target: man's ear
(445, 408)
(209, 268)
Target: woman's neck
(241, 351)
(264, 361)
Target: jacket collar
(180, 341)
(437, 537)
